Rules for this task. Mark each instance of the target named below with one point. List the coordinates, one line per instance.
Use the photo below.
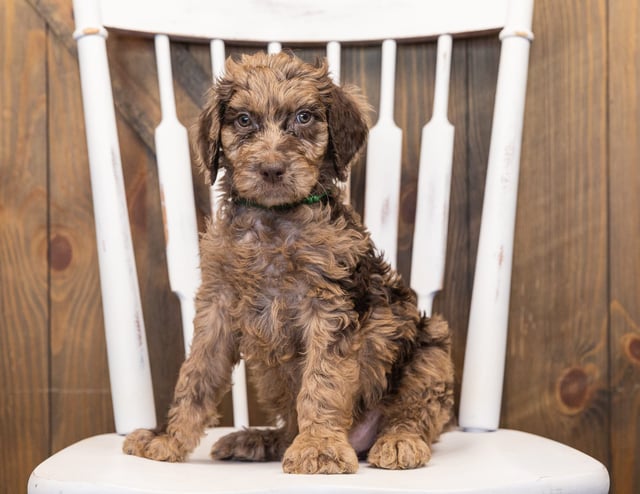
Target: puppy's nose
(272, 172)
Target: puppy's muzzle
(272, 173)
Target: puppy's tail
(436, 336)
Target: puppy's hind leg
(252, 445)
(414, 417)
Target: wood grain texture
(556, 376)
(24, 403)
(361, 67)
(624, 244)
(80, 395)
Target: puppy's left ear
(348, 126)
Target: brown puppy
(339, 354)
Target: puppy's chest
(282, 268)
(284, 256)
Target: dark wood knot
(60, 252)
(631, 347)
(574, 390)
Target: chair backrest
(292, 22)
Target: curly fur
(339, 354)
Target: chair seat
(504, 461)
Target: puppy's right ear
(207, 135)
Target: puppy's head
(280, 127)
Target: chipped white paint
(488, 319)
(129, 370)
(384, 164)
(434, 186)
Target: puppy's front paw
(309, 454)
(399, 452)
(148, 444)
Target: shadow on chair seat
(504, 461)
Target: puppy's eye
(304, 117)
(244, 120)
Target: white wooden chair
(479, 457)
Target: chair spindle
(176, 193)
(434, 184)
(481, 393)
(384, 164)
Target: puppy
(340, 356)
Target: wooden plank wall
(24, 293)
(573, 368)
(624, 242)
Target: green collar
(312, 199)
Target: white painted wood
(176, 192)
(239, 396)
(217, 51)
(291, 21)
(334, 59)
(434, 186)
(274, 47)
(488, 319)
(384, 164)
(217, 58)
(504, 462)
(129, 371)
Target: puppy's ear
(348, 119)
(207, 135)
